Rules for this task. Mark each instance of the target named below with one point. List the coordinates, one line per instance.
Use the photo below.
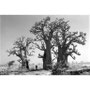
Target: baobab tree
(66, 42)
(43, 30)
(22, 48)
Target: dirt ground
(40, 72)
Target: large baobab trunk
(64, 61)
(47, 62)
(62, 58)
(60, 55)
(25, 63)
(44, 64)
(48, 56)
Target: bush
(59, 70)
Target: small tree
(10, 63)
(66, 42)
(21, 48)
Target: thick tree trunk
(62, 59)
(46, 61)
(60, 55)
(48, 56)
(66, 61)
(44, 64)
(25, 64)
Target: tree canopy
(66, 41)
(22, 48)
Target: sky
(14, 26)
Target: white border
(52, 7)
(45, 7)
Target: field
(73, 70)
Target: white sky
(15, 26)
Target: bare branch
(40, 56)
(73, 50)
(21, 48)
(73, 56)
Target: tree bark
(25, 63)
(60, 55)
(44, 64)
(64, 61)
(46, 60)
(62, 58)
(48, 56)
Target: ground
(40, 72)
(14, 70)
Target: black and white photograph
(44, 45)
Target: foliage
(22, 48)
(65, 40)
